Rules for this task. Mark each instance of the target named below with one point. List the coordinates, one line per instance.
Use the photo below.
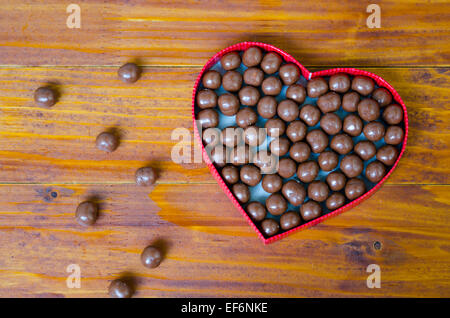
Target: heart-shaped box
(308, 76)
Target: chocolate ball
(290, 220)
(352, 125)
(335, 201)
(294, 192)
(275, 127)
(300, 151)
(276, 204)
(271, 86)
(363, 85)
(375, 171)
(208, 118)
(256, 211)
(286, 167)
(219, 155)
(354, 188)
(310, 210)
(374, 131)
(296, 131)
(107, 141)
(393, 114)
(342, 144)
(232, 81)
(231, 136)
(350, 101)
(287, 110)
(249, 96)
(228, 104)
(328, 160)
(307, 171)
(331, 123)
(310, 115)
(289, 73)
(316, 87)
(351, 165)
(330, 102)
(211, 137)
(368, 109)
(272, 183)
(339, 83)
(317, 139)
(253, 76)
(240, 155)
(382, 96)
(252, 56)
(279, 146)
(336, 181)
(230, 174)
(250, 175)
(297, 93)
(318, 191)
(265, 161)
(267, 107)
(270, 227)
(230, 61)
(129, 73)
(365, 149)
(151, 257)
(212, 79)
(387, 154)
(241, 192)
(246, 117)
(254, 136)
(120, 288)
(394, 135)
(86, 213)
(145, 176)
(271, 63)
(45, 97)
(206, 98)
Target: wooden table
(49, 162)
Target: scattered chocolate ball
(240, 155)
(394, 135)
(318, 140)
(350, 102)
(211, 137)
(286, 167)
(276, 204)
(318, 191)
(331, 123)
(230, 61)
(249, 96)
(270, 227)
(387, 154)
(275, 127)
(310, 210)
(228, 104)
(86, 213)
(290, 220)
(250, 175)
(393, 114)
(294, 192)
(241, 192)
(45, 97)
(368, 109)
(342, 144)
(145, 176)
(382, 96)
(351, 165)
(307, 171)
(289, 73)
(310, 115)
(231, 136)
(212, 80)
(232, 81)
(375, 171)
(219, 155)
(271, 86)
(287, 110)
(107, 141)
(267, 107)
(316, 87)
(328, 160)
(246, 117)
(354, 188)
(256, 211)
(279, 146)
(335, 201)
(296, 92)
(208, 118)
(230, 174)
(365, 149)
(129, 73)
(120, 288)
(330, 102)
(254, 136)
(352, 125)
(339, 83)
(252, 56)
(300, 151)
(206, 98)
(374, 131)
(151, 257)
(296, 131)
(336, 181)
(271, 63)
(272, 183)
(253, 76)
(363, 85)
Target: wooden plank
(189, 33)
(58, 144)
(210, 249)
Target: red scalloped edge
(308, 75)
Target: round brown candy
(317, 139)
(335, 201)
(252, 56)
(296, 131)
(387, 154)
(351, 165)
(307, 171)
(296, 92)
(276, 204)
(275, 127)
(350, 102)
(289, 73)
(240, 155)
(250, 175)
(375, 171)
(336, 181)
(206, 98)
(310, 210)
(230, 174)
(339, 83)
(363, 85)
(310, 115)
(107, 141)
(271, 63)
(279, 146)
(228, 104)
(129, 73)
(219, 155)
(267, 107)
(249, 96)
(299, 151)
(254, 136)
(328, 160)
(246, 117)
(253, 76)
(211, 137)
(145, 176)
(256, 211)
(231, 136)
(374, 131)
(271, 86)
(272, 183)
(265, 161)
(286, 167)
(342, 144)
(294, 192)
(45, 97)
(86, 213)
(270, 227)
(354, 188)
(368, 109)
(151, 257)
(382, 96)
(331, 123)
(393, 114)
(394, 135)
(352, 125)
(212, 79)
(365, 149)
(230, 61)
(232, 81)
(330, 102)
(208, 118)
(241, 192)
(318, 191)
(316, 87)
(120, 288)
(290, 220)
(287, 110)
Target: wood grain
(190, 32)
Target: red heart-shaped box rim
(308, 75)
